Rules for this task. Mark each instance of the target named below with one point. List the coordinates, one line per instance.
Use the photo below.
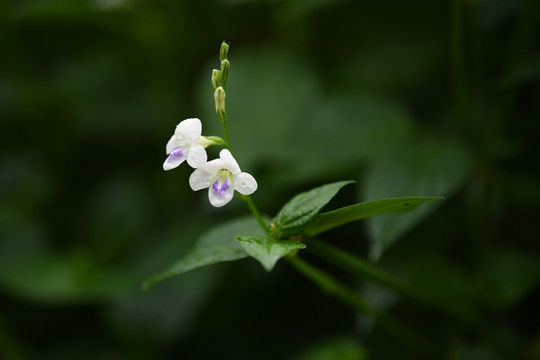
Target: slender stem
(333, 287)
(415, 341)
(253, 208)
(357, 266)
(352, 263)
(226, 134)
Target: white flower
(184, 145)
(222, 176)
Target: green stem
(333, 287)
(226, 134)
(356, 266)
(327, 283)
(255, 211)
(352, 263)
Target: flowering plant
(295, 227)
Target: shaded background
(420, 98)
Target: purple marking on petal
(220, 189)
(177, 152)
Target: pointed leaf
(215, 246)
(267, 252)
(298, 213)
(332, 219)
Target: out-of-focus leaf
(260, 113)
(341, 348)
(215, 246)
(439, 282)
(391, 62)
(53, 278)
(166, 313)
(295, 11)
(333, 132)
(267, 252)
(298, 213)
(58, 9)
(329, 220)
(507, 275)
(427, 167)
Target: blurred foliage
(416, 98)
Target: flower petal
(189, 129)
(213, 166)
(220, 193)
(197, 156)
(175, 158)
(229, 162)
(173, 142)
(199, 179)
(245, 184)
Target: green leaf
(267, 252)
(215, 246)
(298, 213)
(332, 219)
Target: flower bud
(207, 141)
(219, 96)
(216, 79)
(223, 51)
(225, 65)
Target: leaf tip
(269, 267)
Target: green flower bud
(216, 78)
(219, 96)
(223, 51)
(225, 65)
(207, 141)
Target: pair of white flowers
(221, 176)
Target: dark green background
(409, 98)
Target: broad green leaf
(332, 219)
(267, 252)
(217, 245)
(298, 213)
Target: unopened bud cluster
(219, 81)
